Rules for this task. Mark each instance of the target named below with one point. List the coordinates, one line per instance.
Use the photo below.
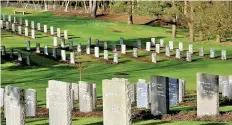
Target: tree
(93, 8)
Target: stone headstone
(60, 104)
(38, 26)
(37, 47)
(139, 45)
(97, 43)
(3, 17)
(46, 50)
(225, 86)
(28, 59)
(13, 27)
(58, 32)
(20, 30)
(105, 45)
(114, 48)
(26, 23)
(20, 21)
(15, 20)
(33, 34)
(188, 56)
(153, 41)
(79, 48)
(157, 48)
(70, 44)
(115, 58)
(1, 23)
(65, 34)
(62, 42)
(9, 18)
(54, 52)
(63, 55)
(161, 42)
(20, 57)
(148, 46)
(45, 29)
(94, 96)
(96, 52)
(89, 41)
(32, 24)
(181, 90)
(31, 102)
(171, 45)
(26, 31)
(167, 51)
(3, 50)
(123, 48)
(153, 58)
(85, 97)
(11, 54)
(133, 93)
(201, 51)
(159, 95)
(142, 94)
(72, 58)
(223, 55)
(181, 46)
(207, 95)
(116, 102)
(51, 30)
(212, 54)
(75, 88)
(7, 26)
(178, 54)
(135, 52)
(230, 88)
(191, 48)
(55, 44)
(106, 54)
(87, 49)
(2, 93)
(173, 92)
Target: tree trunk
(130, 16)
(201, 36)
(94, 9)
(90, 6)
(218, 38)
(66, 8)
(174, 28)
(45, 6)
(191, 32)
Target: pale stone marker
(212, 55)
(115, 58)
(20, 57)
(14, 107)
(31, 102)
(3, 17)
(226, 87)
(167, 51)
(33, 34)
(45, 29)
(159, 95)
(1, 23)
(153, 58)
(139, 45)
(37, 47)
(94, 96)
(60, 104)
(191, 48)
(75, 88)
(201, 51)
(9, 18)
(2, 97)
(105, 45)
(32, 24)
(13, 27)
(221, 80)
(20, 30)
(116, 102)
(157, 48)
(148, 46)
(15, 20)
(161, 42)
(188, 57)
(135, 52)
(96, 52)
(153, 41)
(58, 32)
(62, 42)
(54, 52)
(142, 94)
(72, 58)
(85, 97)
(79, 48)
(63, 55)
(87, 49)
(3, 50)
(123, 48)
(173, 92)
(178, 54)
(207, 95)
(46, 50)
(181, 46)
(51, 30)
(38, 26)
(55, 44)
(26, 23)
(171, 45)
(26, 31)
(7, 25)
(181, 90)
(20, 21)
(106, 54)
(65, 34)
(223, 55)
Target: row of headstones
(20, 58)
(32, 26)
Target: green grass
(94, 70)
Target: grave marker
(161, 42)
(167, 52)
(79, 48)
(148, 46)
(33, 34)
(191, 48)
(32, 24)
(178, 54)
(201, 51)
(105, 45)
(28, 59)
(153, 58)
(171, 46)
(75, 88)
(135, 52)
(65, 34)
(85, 97)
(45, 29)
(133, 92)
(13, 27)
(223, 55)
(181, 90)
(142, 94)
(115, 58)
(31, 102)
(54, 52)
(15, 20)
(55, 44)
(212, 55)
(20, 57)
(20, 21)
(106, 54)
(38, 26)
(94, 96)
(72, 58)
(63, 55)
(7, 26)
(26, 23)
(181, 46)
(26, 31)
(123, 48)
(20, 30)
(173, 92)
(37, 47)
(153, 41)
(9, 18)
(96, 52)
(87, 49)
(58, 32)
(188, 57)
(157, 48)
(62, 42)
(51, 30)
(46, 50)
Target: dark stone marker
(139, 44)
(173, 91)
(121, 40)
(159, 95)
(3, 50)
(12, 54)
(54, 53)
(71, 45)
(89, 41)
(97, 43)
(28, 59)
(28, 44)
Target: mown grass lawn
(79, 29)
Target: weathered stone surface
(153, 41)
(223, 55)
(79, 50)
(62, 42)
(133, 92)
(85, 96)
(2, 92)
(171, 45)
(123, 48)
(201, 51)
(33, 36)
(20, 57)
(114, 48)
(173, 92)
(135, 52)
(148, 46)
(46, 50)
(115, 58)
(7, 25)
(181, 46)
(54, 52)
(94, 96)
(159, 95)
(157, 48)
(230, 88)
(188, 56)
(37, 47)
(225, 86)
(142, 94)
(31, 102)
(9, 18)
(1, 24)
(58, 32)
(96, 52)
(13, 27)
(181, 90)
(26, 23)
(75, 88)
(212, 53)
(106, 54)
(14, 106)
(63, 55)
(3, 50)
(153, 58)
(45, 29)
(15, 19)
(178, 54)
(47, 98)
(65, 34)
(116, 102)
(105, 45)
(72, 58)
(20, 21)
(139, 45)
(32, 24)
(88, 49)
(26, 31)
(20, 30)
(167, 51)
(207, 95)
(191, 48)
(51, 30)
(38, 26)
(60, 104)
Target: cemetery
(63, 64)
